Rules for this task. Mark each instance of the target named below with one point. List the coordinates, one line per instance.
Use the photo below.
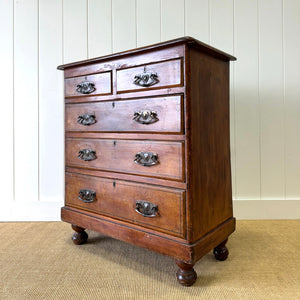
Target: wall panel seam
(87, 29)
(233, 100)
(136, 15)
(209, 21)
(258, 91)
(284, 97)
(160, 20)
(62, 35)
(13, 98)
(38, 95)
(184, 18)
(111, 25)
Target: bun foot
(185, 275)
(221, 251)
(80, 236)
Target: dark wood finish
(221, 251)
(117, 198)
(143, 58)
(119, 156)
(102, 82)
(127, 136)
(130, 95)
(180, 205)
(168, 45)
(128, 177)
(208, 139)
(118, 116)
(80, 236)
(185, 275)
(169, 74)
(163, 243)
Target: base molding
(266, 209)
(17, 211)
(160, 242)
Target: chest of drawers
(147, 150)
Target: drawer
(96, 84)
(146, 158)
(162, 114)
(146, 205)
(156, 75)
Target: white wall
(38, 35)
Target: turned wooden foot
(80, 236)
(221, 251)
(185, 275)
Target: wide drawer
(146, 205)
(96, 84)
(161, 114)
(147, 158)
(156, 75)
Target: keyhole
(113, 104)
(114, 184)
(115, 143)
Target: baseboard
(31, 211)
(243, 210)
(266, 209)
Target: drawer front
(97, 84)
(143, 115)
(146, 158)
(146, 205)
(157, 75)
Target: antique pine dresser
(147, 150)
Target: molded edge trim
(183, 40)
(149, 239)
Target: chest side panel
(209, 173)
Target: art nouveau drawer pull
(146, 158)
(145, 116)
(86, 119)
(146, 209)
(85, 87)
(146, 79)
(87, 196)
(87, 154)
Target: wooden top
(183, 40)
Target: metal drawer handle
(87, 196)
(146, 209)
(86, 119)
(86, 87)
(87, 154)
(145, 116)
(146, 79)
(146, 158)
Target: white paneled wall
(38, 35)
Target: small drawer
(156, 75)
(146, 158)
(150, 206)
(163, 114)
(96, 84)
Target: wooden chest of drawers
(147, 150)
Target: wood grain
(209, 198)
(118, 198)
(199, 157)
(102, 82)
(119, 155)
(118, 116)
(169, 74)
